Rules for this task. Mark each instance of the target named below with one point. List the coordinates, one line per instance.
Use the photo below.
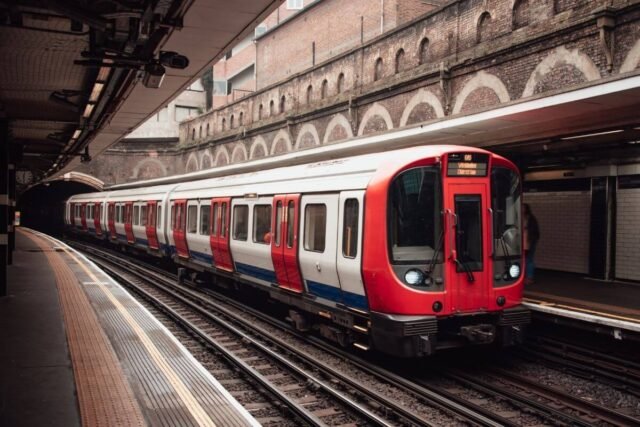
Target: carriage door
(111, 215)
(152, 236)
(468, 251)
(83, 216)
(128, 222)
(284, 244)
(97, 217)
(319, 239)
(219, 233)
(179, 230)
(349, 256)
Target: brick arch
(376, 110)
(281, 138)
(422, 97)
(192, 163)
(632, 60)
(206, 155)
(481, 80)
(258, 143)
(338, 120)
(222, 157)
(301, 141)
(561, 56)
(149, 168)
(239, 153)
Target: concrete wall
(628, 234)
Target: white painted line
(614, 323)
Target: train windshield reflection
(415, 221)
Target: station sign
(467, 164)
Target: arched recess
(632, 60)
(239, 153)
(82, 178)
(206, 160)
(281, 143)
(303, 141)
(340, 121)
(376, 110)
(480, 80)
(192, 163)
(258, 148)
(149, 168)
(222, 157)
(422, 97)
(561, 56)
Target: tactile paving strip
(104, 396)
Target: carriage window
(262, 224)
(159, 223)
(415, 219)
(278, 223)
(143, 215)
(173, 217)
(205, 210)
(214, 218)
(136, 215)
(350, 228)
(315, 224)
(240, 222)
(192, 219)
(223, 220)
(291, 212)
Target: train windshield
(507, 219)
(415, 220)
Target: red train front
(448, 268)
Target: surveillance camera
(153, 75)
(174, 60)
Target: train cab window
(262, 224)
(507, 223)
(315, 227)
(136, 215)
(240, 222)
(192, 219)
(214, 218)
(278, 235)
(205, 211)
(143, 215)
(223, 222)
(291, 214)
(415, 219)
(350, 228)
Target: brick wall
(628, 234)
(564, 220)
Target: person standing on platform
(531, 236)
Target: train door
(468, 252)
(318, 252)
(152, 235)
(97, 211)
(349, 253)
(179, 228)
(284, 244)
(111, 218)
(83, 216)
(219, 233)
(128, 222)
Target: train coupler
(479, 334)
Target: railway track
(489, 397)
(295, 378)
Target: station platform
(77, 349)
(608, 307)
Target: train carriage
(406, 251)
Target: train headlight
(414, 277)
(514, 271)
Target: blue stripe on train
(337, 295)
(257, 272)
(201, 257)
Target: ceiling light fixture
(588, 135)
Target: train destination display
(467, 164)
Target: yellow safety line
(584, 310)
(187, 397)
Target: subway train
(406, 252)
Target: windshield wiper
(464, 266)
(434, 258)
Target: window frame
(234, 231)
(357, 228)
(307, 229)
(254, 230)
